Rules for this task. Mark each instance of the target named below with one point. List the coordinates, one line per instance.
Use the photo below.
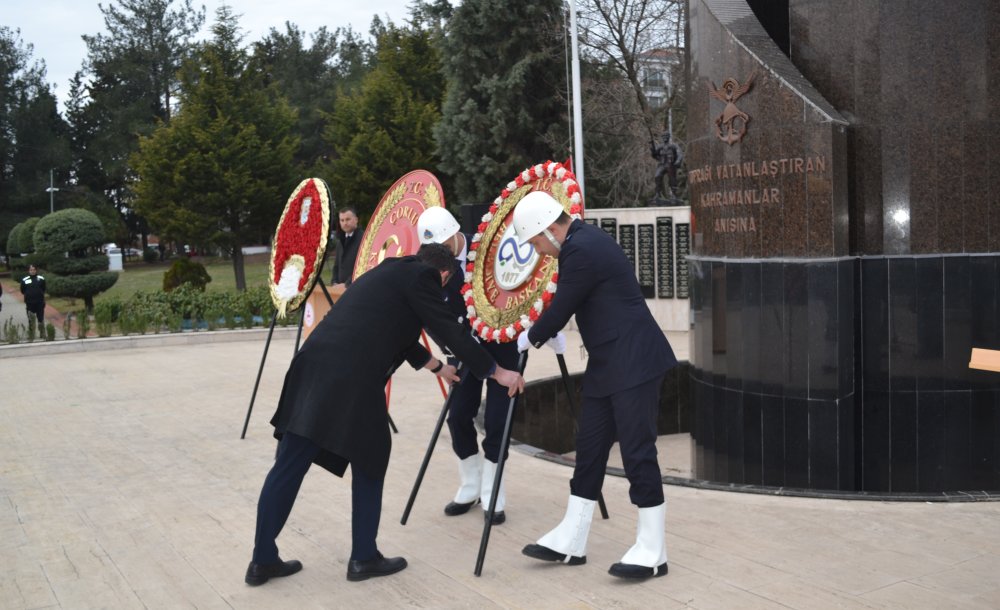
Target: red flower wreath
(299, 244)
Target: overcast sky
(55, 27)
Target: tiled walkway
(124, 484)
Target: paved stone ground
(124, 484)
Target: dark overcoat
(625, 346)
(334, 389)
(345, 256)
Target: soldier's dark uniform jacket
(33, 289)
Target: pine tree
(220, 172)
(386, 128)
(33, 137)
(505, 64)
(310, 76)
(127, 86)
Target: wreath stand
(504, 447)
(298, 338)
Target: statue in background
(669, 156)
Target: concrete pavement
(124, 484)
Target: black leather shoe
(457, 508)
(377, 566)
(629, 570)
(498, 517)
(544, 553)
(258, 574)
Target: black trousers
(630, 416)
(465, 403)
(37, 310)
(295, 455)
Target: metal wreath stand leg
(501, 460)
(267, 344)
(505, 445)
(430, 449)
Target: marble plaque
(665, 257)
(590, 221)
(683, 249)
(626, 239)
(610, 226)
(646, 260)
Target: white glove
(522, 342)
(557, 343)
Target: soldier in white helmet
(628, 356)
(476, 471)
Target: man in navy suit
(436, 225)
(627, 358)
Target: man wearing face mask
(628, 356)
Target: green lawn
(148, 277)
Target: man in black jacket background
(347, 242)
(33, 289)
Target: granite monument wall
(846, 212)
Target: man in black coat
(628, 355)
(33, 289)
(476, 472)
(347, 242)
(332, 408)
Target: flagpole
(577, 106)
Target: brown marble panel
(867, 179)
(952, 214)
(782, 127)
(992, 194)
(970, 179)
(793, 198)
(923, 195)
(819, 198)
(774, 218)
(840, 187)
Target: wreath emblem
(507, 284)
(392, 229)
(299, 245)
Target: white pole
(52, 194)
(577, 106)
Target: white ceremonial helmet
(534, 213)
(436, 225)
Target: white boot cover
(486, 491)
(470, 471)
(650, 548)
(570, 536)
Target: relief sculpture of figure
(669, 156)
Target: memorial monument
(845, 201)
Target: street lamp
(51, 191)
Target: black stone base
(847, 375)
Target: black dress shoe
(544, 553)
(629, 570)
(258, 574)
(457, 508)
(377, 566)
(498, 517)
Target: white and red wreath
(497, 310)
(299, 245)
